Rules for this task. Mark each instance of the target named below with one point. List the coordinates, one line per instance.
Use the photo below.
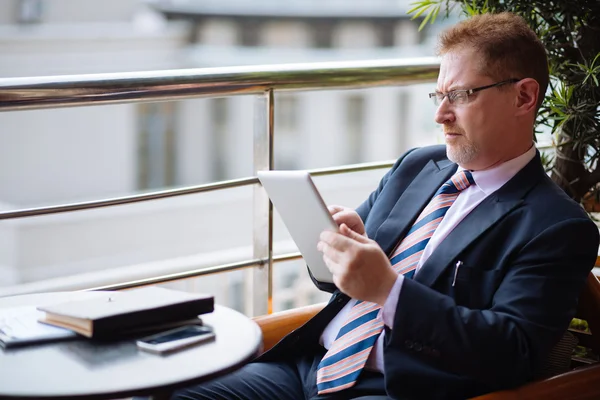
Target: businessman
(462, 269)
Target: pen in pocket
(458, 264)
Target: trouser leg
(255, 381)
(291, 380)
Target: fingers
(333, 209)
(341, 216)
(331, 265)
(344, 215)
(342, 240)
(346, 231)
(333, 240)
(329, 252)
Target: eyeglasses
(461, 96)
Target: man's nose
(444, 113)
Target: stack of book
(112, 315)
(126, 312)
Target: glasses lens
(459, 97)
(436, 98)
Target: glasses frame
(451, 95)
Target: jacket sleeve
(531, 309)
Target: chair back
(588, 309)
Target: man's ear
(527, 96)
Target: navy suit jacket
(526, 251)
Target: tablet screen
(304, 213)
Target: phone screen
(178, 334)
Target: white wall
(383, 136)
(285, 34)
(194, 142)
(319, 126)
(79, 49)
(116, 237)
(240, 137)
(66, 11)
(8, 254)
(61, 11)
(53, 156)
(354, 35)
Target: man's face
(479, 134)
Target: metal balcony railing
(87, 90)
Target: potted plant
(570, 32)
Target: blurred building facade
(66, 155)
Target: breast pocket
(475, 287)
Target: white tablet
(304, 214)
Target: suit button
(418, 347)
(409, 344)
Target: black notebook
(121, 312)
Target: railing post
(261, 289)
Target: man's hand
(360, 268)
(344, 215)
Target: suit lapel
(411, 202)
(484, 216)
(477, 222)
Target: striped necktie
(342, 364)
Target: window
(30, 11)
(288, 304)
(385, 33)
(237, 295)
(285, 113)
(219, 113)
(322, 35)
(289, 281)
(249, 33)
(355, 115)
(156, 149)
(287, 143)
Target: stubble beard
(462, 154)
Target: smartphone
(176, 339)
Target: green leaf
(417, 15)
(431, 7)
(435, 14)
(417, 5)
(427, 18)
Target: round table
(85, 369)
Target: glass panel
(293, 288)
(229, 288)
(123, 243)
(112, 151)
(336, 127)
(156, 145)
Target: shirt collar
(492, 179)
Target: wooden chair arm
(580, 384)
(275, 326)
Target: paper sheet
(19, 325)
